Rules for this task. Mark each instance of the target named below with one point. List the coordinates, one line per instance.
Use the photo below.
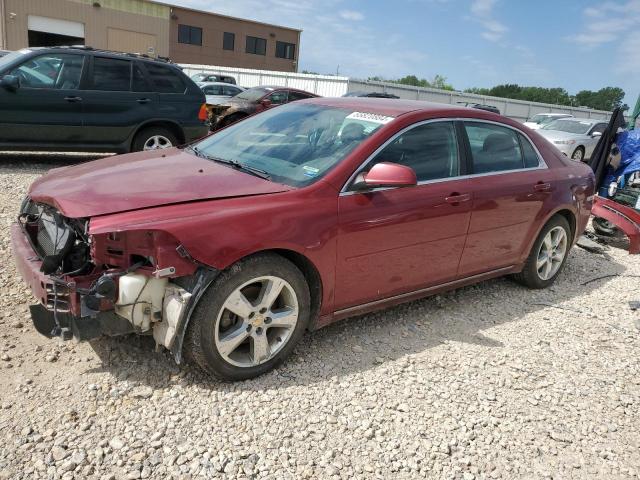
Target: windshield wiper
(233, 163)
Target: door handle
(457, 198)
(73, 99)
(542, 187)
(143, 100)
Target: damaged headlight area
(92, 284)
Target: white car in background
(541, 119)
(219, 92)
(575, 137)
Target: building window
(285, 50)
(257, 46)
(228, 41)
(190, 35)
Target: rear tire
(548, 255)
(239, 329)
(153, 138)
(604, 228)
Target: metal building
(154, 28)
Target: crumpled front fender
(625, 218)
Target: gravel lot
(490, 381)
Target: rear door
(117, 99)
(47, 106)
(510, 185)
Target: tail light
(203, 114)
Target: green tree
(606, 98)
(440, 81)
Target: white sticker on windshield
(370, 117)
(310, 171)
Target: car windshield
(10, 57)
(569, 126)
(295, 144)
(253, 94)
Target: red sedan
(230, 248)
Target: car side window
(231, 91)
(111, 74)
(213, 90)
(55, 71)
(165, 79)
(293, 96)
(139, 81)
(493, 148)
(531, 159)
(278, 98)
(431, 150)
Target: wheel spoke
(542, 260)
(228, 344)
(271, 290)
(237, 303)
(286, 318)
(260, 350)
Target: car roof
(224, 84)
(585, 120)
(388, 106)
(107, 53)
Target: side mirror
(10, 82)
(596, 134)
(266, 103)
(387, 174)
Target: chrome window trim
(541, 163)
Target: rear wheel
(153, 138)
(250, 318)
(548, 255)
(578, 154)
(604, 227)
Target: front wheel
(548, 255)
(604, 228)
(578, 154)
(250, 318)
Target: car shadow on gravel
(372, 341)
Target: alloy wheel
(578, 154)
(552, 252)
(256, 321)
(157, 142)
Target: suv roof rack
(113, 52)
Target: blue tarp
(629, 144)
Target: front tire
(250, 319)
(548, 255)
(578, 154)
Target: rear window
(165, 79)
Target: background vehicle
(371, 94)
(481, 106)
(218, 92)
(254, 100)
(210, 77)
(541, 119)
(575, 137)
(81, 99)
(293, 219)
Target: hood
(558, 135)
(142, 180)
(532, 125)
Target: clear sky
(574, 44)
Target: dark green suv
(82, 99)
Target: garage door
(131, 42)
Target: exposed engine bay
(140, 282)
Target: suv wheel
(548, 255)
(250, 318)
(153, 138)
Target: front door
(47, 107)
(510, 186)
(393, 241)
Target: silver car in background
(541, 119)
(575, 137)
(218, 92)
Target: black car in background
(82, 99)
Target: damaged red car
(227, 250)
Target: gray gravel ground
(490, 381)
